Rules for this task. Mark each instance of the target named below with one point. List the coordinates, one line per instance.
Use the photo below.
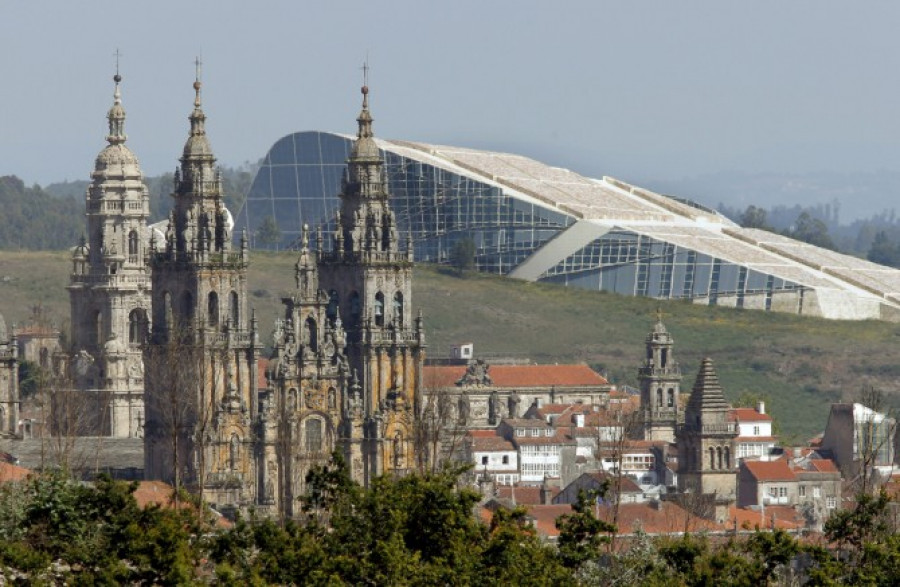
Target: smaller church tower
(660, 380)
(706, 443)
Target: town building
(861, 441)
(482, 394)
(755, 439)
(9, 383)
(109, 293)
(494, 458)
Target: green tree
(811, 230)
(462, 255)
(884, 251)
(754, 217)
(268, 233)
(581, 533)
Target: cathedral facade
(109, 293)
(348, 358)
(348, 354)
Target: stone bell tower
(109, 293)
(706, 443)
(660, 381)
(367, 278)
(202, 358)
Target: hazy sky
(638, 90)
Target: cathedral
(348, 356)
(109, 293)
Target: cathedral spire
(197, 145)
(364, 147)
(116, 115)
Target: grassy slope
(800, 364)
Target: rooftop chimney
(761, 407)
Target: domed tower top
(116, 153)
(364, 147)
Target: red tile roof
(770, 470)
(747, 415)
(524, 494)
(491, 443)
(781, 517)
(518, 375)
(10, 472)
(823, 466)
(663, 517)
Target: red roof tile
(747, 415)
(770, 470)
(524, 494)
(823, 466)
(10, 472)
(518, 375)
(781, 517)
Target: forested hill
(33, 219)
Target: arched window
(137, 326)
(234, 309)
(314, 435)
(234, 452)
(663, 358)
(659, 397)
(133, 246)
(45, 357)
(98, 327)
(332, 311)
(379, 309)
(712, 458)
(719, 457)
(187, 307)
(292, 400)
(313, 333)
(727, 453)
(671, 398)
(398, 308)
(212, 309)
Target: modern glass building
(537, 222)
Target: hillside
(799, 364)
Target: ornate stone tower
(367, 279)
(109, 291)
(306, 406)
(660, 379)
(202, 358)
(706, 442)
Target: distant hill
(799, 364)
(33, 219)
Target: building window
(398, 308)
(234, 309)
(379, 309)
(212, 309)
(314, 435)
(817, 492)
(505, 459)
(133, 246)
(831, 502)
(312, 335)
(137, 326)
(520, 432)
(756, 431)
(782, 492)
(535, 432)
(484, 460)
(802, 490)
